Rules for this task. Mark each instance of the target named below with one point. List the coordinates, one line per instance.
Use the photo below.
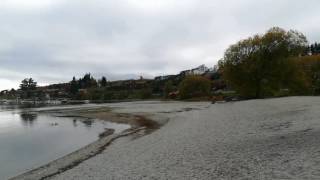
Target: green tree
(103, 82)
(313, 49)
(145, 93)
(28, 84)
(262, 65)
(87, 81)
(311, 68)
(74, 86)
(194, 86)
(168, 87)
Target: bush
(194, 87)
(145, 93)
(168, 88)
(311, 67)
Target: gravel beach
(256, 139)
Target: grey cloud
(125, 39)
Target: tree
(194, 86)
(313, 49)
(311, 68)
(261, 65)
(145, 93)
(168, 87)
(74, 86)
(103, 82)
(87, 81)
(28, 84)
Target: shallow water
(29, 140)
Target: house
(195, 71)
(200, 70)
(129, 84)
(162, 78)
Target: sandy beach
(256, 139)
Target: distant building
(129, 84)
(161, 78)
(196, 71)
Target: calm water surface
(29, 140)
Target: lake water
(29, 140)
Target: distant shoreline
(64, 102)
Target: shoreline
(256, 139)
(138, 122)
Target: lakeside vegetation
(277, 63)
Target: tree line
(86, 82)
(313, 49)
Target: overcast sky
(53, 40)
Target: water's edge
(73, 159)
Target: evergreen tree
(317, 48)
(103, 81)
(87, 81)
(314, 48)
(74, 86)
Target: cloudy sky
(53, 40)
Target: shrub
(194, 87)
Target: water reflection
(15, 106)
(29, 139)
(28, 118)
(75, 123)
(87, 122)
